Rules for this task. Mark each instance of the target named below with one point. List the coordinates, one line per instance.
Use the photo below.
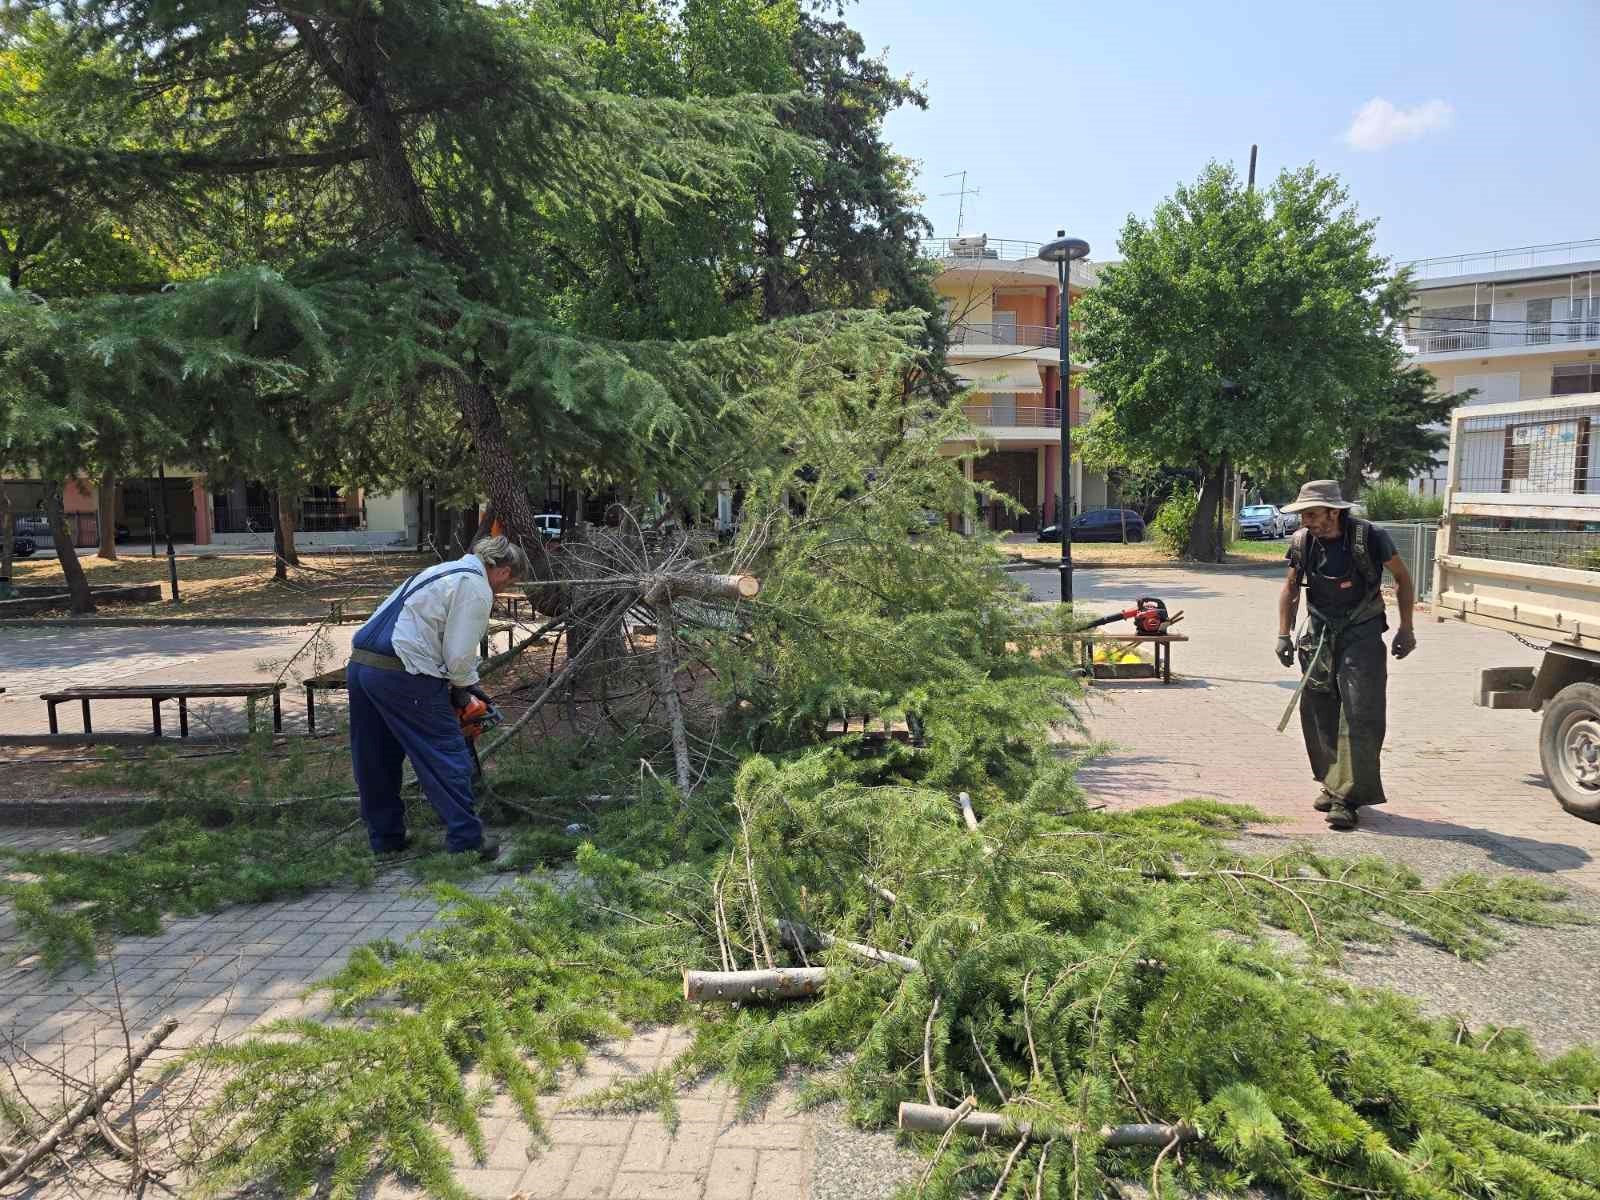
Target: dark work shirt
(1331, 566)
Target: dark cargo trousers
(1344, 721)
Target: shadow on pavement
(1506, 849)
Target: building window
(1574, 379)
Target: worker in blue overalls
(412, 665)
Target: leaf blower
(1148, 614)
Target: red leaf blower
(1148, 614)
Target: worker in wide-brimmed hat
(1339, 560)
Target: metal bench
(181, 692)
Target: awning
(1002, 376)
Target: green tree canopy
(427, 153)
(1276, 293)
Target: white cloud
(1380, 124)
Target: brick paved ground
(222, 974)
(1452, 770)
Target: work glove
(460, 697)
(1286, 649)
(477, 690)
(1404, 643)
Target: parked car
(1291, 521)
(1100, 525)
(22, 547)
(1260, 521)
(549, 526)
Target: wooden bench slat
(163, 691)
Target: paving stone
(780, 1175)
(592, 1172)
(630, 1185)
(732, 1174)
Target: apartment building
(1515, 324)
(1000, 302)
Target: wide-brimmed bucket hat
(1319, 493)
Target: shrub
(1388, 500)
(1173, 519)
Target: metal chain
(1528, 644)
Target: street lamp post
(1062, 252)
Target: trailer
(1519, 551)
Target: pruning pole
(1311, 665)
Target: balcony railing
(980, 246)
(1445, 335)
(1514, 259)
(969, 333)
(1017, 416)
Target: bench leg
(51, 705)
(1166, 662)
(277, 710)
(87, 728)
(311, 709)
(183, 716)
(155, 714)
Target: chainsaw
(1148, 614)
(476, 716)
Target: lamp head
(1064, 249)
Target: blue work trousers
(395, 715)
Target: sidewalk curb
(1224, 568)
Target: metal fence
(1548, 451)
(1515, 258)
(84, 527)
(1443, 335)
(1526, 540)
(979, 246)
(978, 333)
(1416, 542)
(1017, 415)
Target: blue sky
(1479, 129)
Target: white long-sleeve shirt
(441, 625)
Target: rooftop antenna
(964, 192)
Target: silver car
(1260, 521)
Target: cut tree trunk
(77, 582)
(1204, 544)
(775, 983)
(107, 505)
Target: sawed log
(774, 983)
(934, 1118)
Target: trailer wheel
(1569, 749)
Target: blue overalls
(395, 715)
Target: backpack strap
(1361, 550)
(1297, 554)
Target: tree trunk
(1354, 472)
(107, 505)
(8, 534)
(1204, 544)
(77, 581)
(287, 519)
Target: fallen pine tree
(1093, 989)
